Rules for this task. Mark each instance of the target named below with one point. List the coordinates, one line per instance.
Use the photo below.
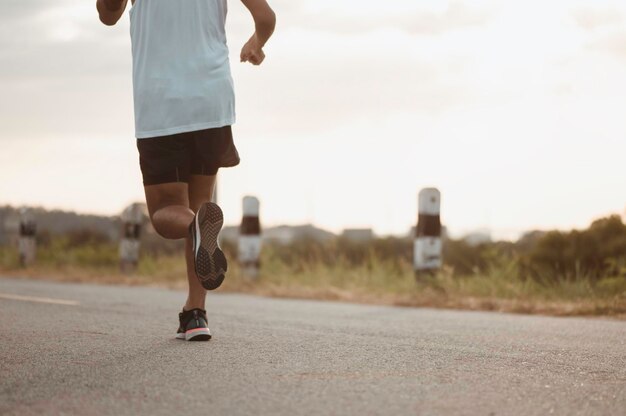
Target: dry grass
(377, 281)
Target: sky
(514, 110)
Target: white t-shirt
(181, 72)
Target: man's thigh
(166, 194)
(201, 188)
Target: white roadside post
(249, 245)
(132, 221)
(427, 247)
(27, 238)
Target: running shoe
(193, 326)
(209, 260)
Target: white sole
(197, 239)
(190, 335)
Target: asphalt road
(85, 349)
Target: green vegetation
(561, 273)
(516, 277)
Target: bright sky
(514, 110)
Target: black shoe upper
(192, 319)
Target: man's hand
(110, 11)
(252, 51)
(264, 23)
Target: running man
(184, 108)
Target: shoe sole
(210, 262)
(198, 334)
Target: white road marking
(39, 300)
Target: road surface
(86, 349)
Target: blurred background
(513, 110)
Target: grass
(373, 280)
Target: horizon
(338, 232)
(355, 110)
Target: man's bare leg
(172, 207)
(168, 206)
(201, 190)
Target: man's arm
(110, 11)
(264, 23)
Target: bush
(543, 258)
(595, 252)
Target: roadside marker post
(27, 243)
(132, 221)
(427, 246)
(249, 244)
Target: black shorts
(173, 158)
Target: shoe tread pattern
(210, 261)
